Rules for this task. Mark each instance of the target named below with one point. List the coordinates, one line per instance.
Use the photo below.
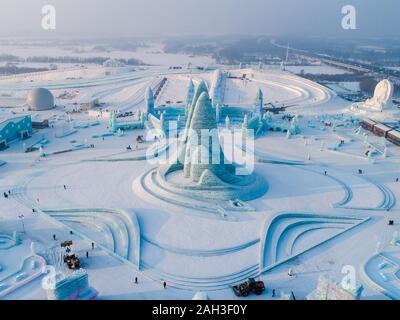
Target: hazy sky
(375, 18)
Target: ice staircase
(211, 283)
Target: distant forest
(368, 85)
(80, 60)
(66, 59)
(226, 50)
(12, 62)
(10, 70)
(367, 82)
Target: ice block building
(202, 173)
(74, 286)
(162, 119)
(136, 123)
(204, 156)
(14, 128)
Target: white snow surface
(180, 245)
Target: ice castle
(201, 172)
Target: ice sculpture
(182, 148)
(294, 126)
(382, 98)
(149, 101)
(245, 122)
(380, 107)
(72, 286)
(41, 152)
(120, 126)
(259, 101)
(189, 95)
(203, 172)
(217, 87)
(201, 295)
(227, 123)
(17, 237)
(330, 290)
(395, 238)
(202, 157)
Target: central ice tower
(202, 176)
(203, 155)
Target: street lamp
(21, 217)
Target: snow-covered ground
(345, 87)
(323, 69)
(311, 182)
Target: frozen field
(318, 214)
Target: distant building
(89, 105)
(40, 99)
(39, 121)
(69, 286)
(14, 128)
(41, 124)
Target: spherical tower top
(40, 99)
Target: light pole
(21, 217)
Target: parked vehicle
(250, 286)
(72, 261)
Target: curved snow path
(31, 268)
(388, 199)
(209, 283)
(385, 280)
(82, 83)
(202, 253)
(282, 234)
(123, 226)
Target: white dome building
(40, 99)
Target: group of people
(164, 283)
(7, 194)
(139, 139)
(130, 148)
